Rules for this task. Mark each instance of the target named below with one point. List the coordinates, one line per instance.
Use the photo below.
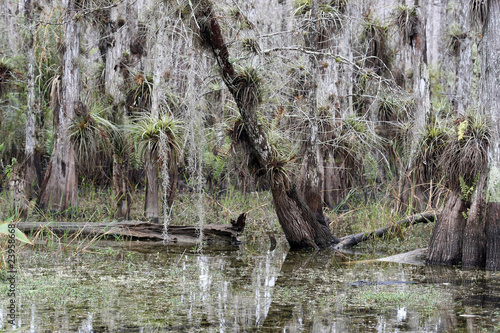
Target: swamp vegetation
(312, 120)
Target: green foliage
(248, 86)
(5, 229)
(149, 130)
(91, 132)
(465, 155)
(8, 168)
(139, 97)
(467, 190)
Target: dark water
(146, 287)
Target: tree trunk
(491, 104)
(309, 182)
(301, 227)
(30, 174)
(151, 208)
(475, 242)
(115, 86)
(445, 245)
(59, 187)
(120, 187)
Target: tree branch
(351, 240)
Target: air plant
(247, 84)
(322, 24)
(251, 45)
(406, 19)
(139, 97)
(375, 35)
(90, 132)
(5, 74)
(431, 147)
(465, 155)
(149, 130)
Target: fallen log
(212, 233)
(351, 240)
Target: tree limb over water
(352, 240)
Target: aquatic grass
(426, 298)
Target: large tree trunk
(475, 242)
(309, 179)
(301, 227)
(491, 102)
(116, 87)
(30, 174)
(415, 191)
(445, 246)
(59, 187)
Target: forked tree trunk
(299, 224)
(59, 187)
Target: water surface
(147, 287)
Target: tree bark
(59, 187)
(299, 224)
(30, 174)
(491, 104)
(120, 187)
(445, 245)
(474, 242)
(115, 86)
(309, 180)
(151, 206)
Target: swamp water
(147, 287)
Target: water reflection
(146, 287)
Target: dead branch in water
(351, 240)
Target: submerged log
(351, 240)
(212, 233)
